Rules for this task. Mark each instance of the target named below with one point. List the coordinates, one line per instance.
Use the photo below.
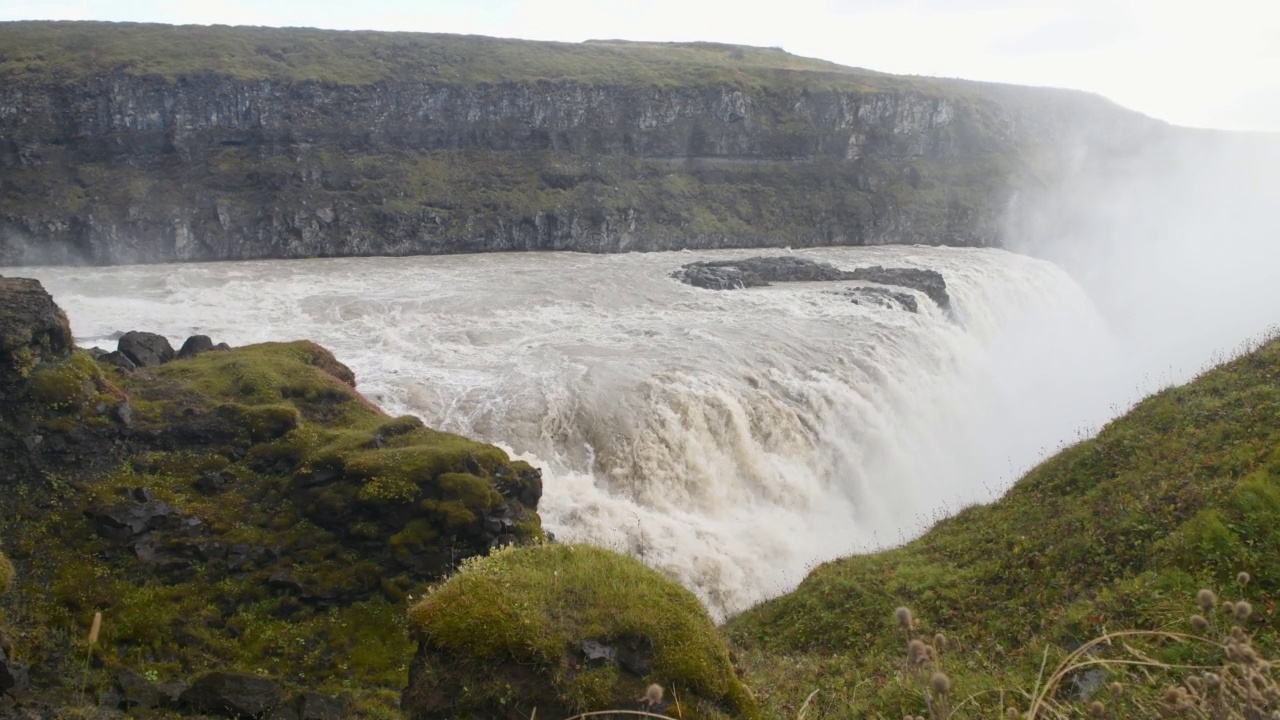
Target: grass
(1114, 532)
(530, 608)
(62, 51)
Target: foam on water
(731, 439)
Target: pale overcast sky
(1209, 64)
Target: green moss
(6, 573)
(1118, 531)
(295, 532)
(65, 385)
(63, 51)
(533, 606)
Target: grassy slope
(73, 50)
(523, 608)
(1117, 531)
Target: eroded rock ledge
(762, 271)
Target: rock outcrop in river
(761, 271)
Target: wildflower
(903, 615)
(940, 641)
(652, 696)
(1243, 578)
(1207, 599)
(1243, 610)
(1199, 622)
(1096, 709)
(940, 684)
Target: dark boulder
(195, 345)
(118, 359)
(929, 282)
(146, 349)
(135, 691)
(236, 695)
(13, 675)
(309, 706)
(139, 513)
(881, 297)
(756, 272)
(761, 271)
(33, 329)
(718, 278)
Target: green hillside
(1117, 532)
(72, 50)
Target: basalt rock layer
(126, 143)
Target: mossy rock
(565, 629)
(242, 511)
(6, 573)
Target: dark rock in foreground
(762, 271)
(233, 694)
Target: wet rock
(929, 282)
(760, 271)
(146, 349)
(881, 297)
(234, 695)
(756, 272)
(718, 278)
(195, 345)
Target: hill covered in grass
(144, 143)
(1116, 532)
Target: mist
(1176, 242)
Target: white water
(731, 439)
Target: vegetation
(508, 630)
(281, 522)
(63, 51)
(1118, 531)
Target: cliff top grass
(67, 51)
(1118, 531)
(534, 607)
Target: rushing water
(731, 439)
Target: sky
(1202, 64)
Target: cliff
(141, 143)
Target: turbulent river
(731, 439)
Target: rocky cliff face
(112, 162)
